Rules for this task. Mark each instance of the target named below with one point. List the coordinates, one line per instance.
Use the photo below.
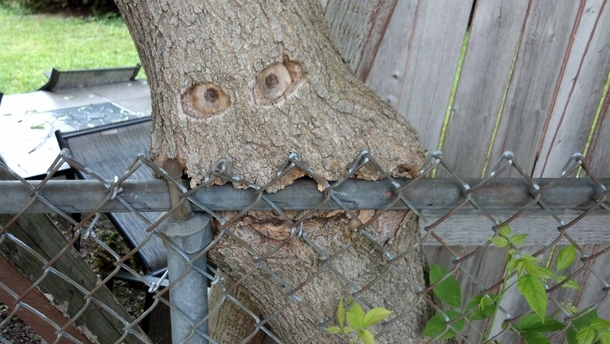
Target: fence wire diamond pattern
(89, 309)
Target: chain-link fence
(276, 265)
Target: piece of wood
(417, 60)
(597, 277)
(495, 34)
(359, 43)
(540, 64)
(38, 232)
(474, 229)
(598, 157)
(580, 92)
(388, 69)
(46, 319)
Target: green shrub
(92, 7)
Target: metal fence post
(189, 295)
(188, 235)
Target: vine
(531, 278)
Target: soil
(131, 297)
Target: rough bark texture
(254, 81)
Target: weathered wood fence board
(533, 71)
(593, 291)
(437, 42)
(532, 92)
(580, 90)
(387, 69)
(45, 328)
(532, 78)
(599, 154)
(493, 42)
(474, 229)
(360, 43)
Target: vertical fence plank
(593, 292)
(417, 60)
(598, 156)
(388, 68)
(358, 26)
(540, 64)
(494, 37)
(476, 274)
(580, 91)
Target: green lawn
(33, 44)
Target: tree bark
(254, 81)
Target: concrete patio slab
(28, 121)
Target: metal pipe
(188, 234)
(189, 297)
(83, 196)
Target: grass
(33, 44)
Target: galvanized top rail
(83, 196)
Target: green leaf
(511, 265)
(533, 323)
(544, 273)
(448, 290)
(539, 271)
(341, 313)
(355, 316)
(585, 335)
(333, 329)
(366, 336)
(566, 257)
(571, 336)
(505, 231)
(604, 337)
(600, 324)
(585, 320)
(518, 239)
(571, 284)
(531, 287)
(374, 316)
(499, 241)
(528, 258)
(436, 325)
(486, 306)
(535, 338)
(348, 330)
(530, 264)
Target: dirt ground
(15, 331)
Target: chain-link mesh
(51, 266)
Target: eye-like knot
(274, 80)
(277, 81)
(205, 99)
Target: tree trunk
(254, 81)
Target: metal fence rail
(49, 269)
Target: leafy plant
(589, 328)
(531, 278)
(358, 321)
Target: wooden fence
(478, 77)
(531, 81)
